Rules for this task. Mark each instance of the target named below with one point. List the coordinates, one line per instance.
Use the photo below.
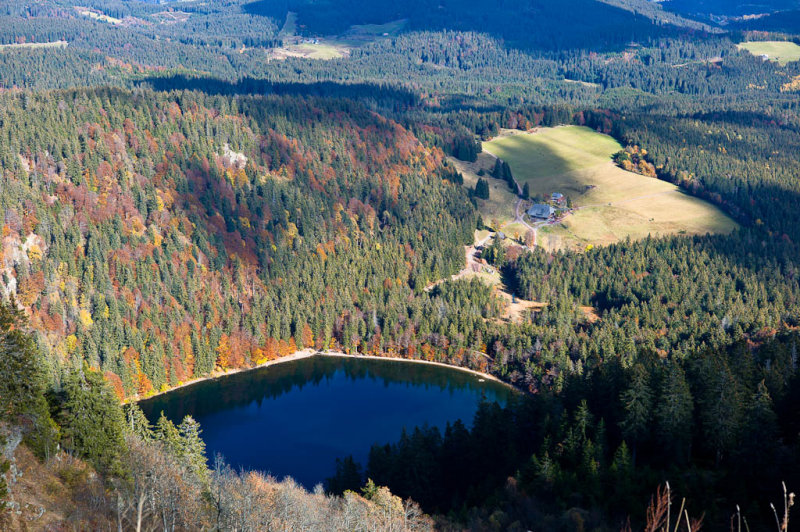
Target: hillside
(192, 189)
(536, 24)
(120, 209)
(609, 204)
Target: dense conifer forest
(179, 201)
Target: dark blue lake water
(294, 419)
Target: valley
(332, 240)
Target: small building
(541, 211)
(558, 198)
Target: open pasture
(17, 46)
(610, 203)
(500, 205)
(781, 51)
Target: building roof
(541, 211)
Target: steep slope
(158, 236)
(540, 24)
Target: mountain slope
(536, 23)
(158, 236)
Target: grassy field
(611, 204)
(376, 30)
(289, 28)
(324, 50)
(500, 205)
(54, 44)
(781, 51)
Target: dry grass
(57, 495)
(516, 309)
(500, 205)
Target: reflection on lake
(295, 418)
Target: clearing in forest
(781, 51)
(499, 208)
(289, 28)
(610, 204)
(53, 44)
(307, 47)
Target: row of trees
(719, 426)
(156, 476)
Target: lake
(295, 418)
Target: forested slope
(157, 236)
(216, 209)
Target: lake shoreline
(308, 353)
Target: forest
(312, 205)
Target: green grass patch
(611, 204)
(552, 152)
(377, 30)
(54, 44)
(289, 28)
(781, 51)
(322, 51)
(498, 210)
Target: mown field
(54, 44)
(610, 203)
(781, 51)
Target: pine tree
(637, 402)
(482, 189)
(721, 411)
(193, 448)
(137, 423)
(23, 382)
(348, 476)
(674, 411)
(508, 177)
(92, 420)
(167, 433)
(497, 172)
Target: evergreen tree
(167, 433)
(92, 420)
(498, 172)
(348, 476)
(137, 423)
(674, 412)
(23, 382)
(637, 402)
(482, 189)
(509, 178)
(193, 448)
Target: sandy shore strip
(307, 353)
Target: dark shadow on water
(241, 389)
(296, 418)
